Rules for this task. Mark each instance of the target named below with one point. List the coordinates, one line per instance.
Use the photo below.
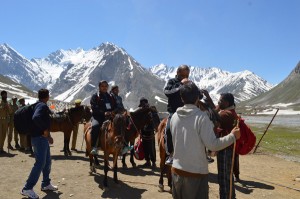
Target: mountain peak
(297, 68)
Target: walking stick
(266, 130)
(232, 163)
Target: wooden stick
(232, 162)
(266, 130)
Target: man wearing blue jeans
(40, 140)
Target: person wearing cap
(114, 92)
(171, 90)
(4, 119)
(102, 105)
(77, 103)
(148, 138)
(11, 127)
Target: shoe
(153, 165)
(50, 187)
(147, 164)
(237, 178)
(29, 193)
(73, 149)
(126, 149)
(10, 147)
(94, 151)
(169, 161)
(17, 146)
(22, 149)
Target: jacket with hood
(192, 131)
(171, 90)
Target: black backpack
(23, 119)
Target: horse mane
(119, 123)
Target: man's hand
(185, 81)
(236, 132)
(107, 114)
(46, 133)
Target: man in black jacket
(40, 140)
(102, 105)
(171, 90)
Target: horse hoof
(160, 188)
(92, 169)
(124, 166)
(134, 165)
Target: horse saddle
(59, 117)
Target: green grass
(278, 140)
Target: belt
(2, 118)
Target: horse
(67, 120)
(111, 141)
(166, 169)
(138, 119)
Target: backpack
(247, 140)
(139, 150)
(23, 119)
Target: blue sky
(262, 36)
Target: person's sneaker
(126, 149)
(17, 146)
(94, 151)
(29, 193)
(50, 187)
(169, 161)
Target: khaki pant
(23, 141)
(3, 130)
(74, 136)
(11, 129)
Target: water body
(282, 120)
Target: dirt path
(262, 176)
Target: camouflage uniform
(11, 126)
(4, 119)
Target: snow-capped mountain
(82, 71)
(71, 74)
(15, 89)
(21, 70)
(244, 85)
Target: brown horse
(111, 141)
(67, 120)
(138, 119)
(164, 169)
